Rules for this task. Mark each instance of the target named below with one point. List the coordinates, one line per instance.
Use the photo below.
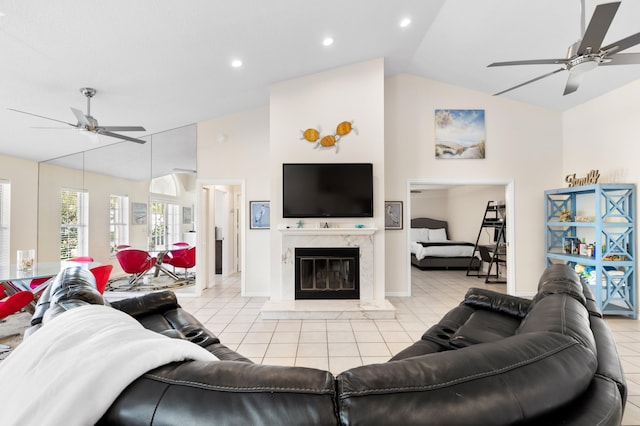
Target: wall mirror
(159, 175)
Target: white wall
(23, 177)
(467, 205)
(236, 148)
(353, 93)
(603, 134)
(523, 144)
(431, 203)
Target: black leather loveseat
(492, 360)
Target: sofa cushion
(504, 382)
(609, 364)
(592, 305)
(483, 327)
(486, 299)
(199, 393)
(560, 279)
(562, 314)
(601, 404)
(147, 304)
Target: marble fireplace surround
(366, 307)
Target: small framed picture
(186, 216)
(139, 213)
(393, 215)
(260, 214)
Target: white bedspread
(441, 251)
(72, 369)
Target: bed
(431, 248)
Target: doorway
(221, 234)
(446, 200)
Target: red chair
(11, 305)
(34, 283)
(81, 259)
(177, 252)
(102, 274)
(14, 303)
(135, 262)
(182, 259)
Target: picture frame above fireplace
(260, 215)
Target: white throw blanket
(72, 369)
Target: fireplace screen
(327, 273)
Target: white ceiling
(164, 64)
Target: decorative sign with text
(591, 178)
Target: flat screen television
(327, 190)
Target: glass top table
(18, 279)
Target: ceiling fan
(90, 124)
(587, 53)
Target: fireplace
(327, 273)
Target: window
(5, 209)
(74, 218)
(165, 224)
(118, 221)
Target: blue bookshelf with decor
(592, 228)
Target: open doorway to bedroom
(461, 206)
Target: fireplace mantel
(326, 231)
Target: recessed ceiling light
(405, 22)
(236, 63)
(1, 14)
(328, 41)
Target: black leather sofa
(493, 360)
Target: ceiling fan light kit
(587, 53)
(87, 122)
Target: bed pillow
(419, 234)
(437, 234)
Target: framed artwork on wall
(260, 214)
(138, 213)
(186, 216)
(393, 215)
(459, 133)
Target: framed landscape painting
(459, 133)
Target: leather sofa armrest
(147, 304)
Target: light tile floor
(337, 345)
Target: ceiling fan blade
(126, 138)
(529, 62)
(530, 81)
(82, 119)
(123, 128)
(622, 59)
(573, 82)
(41, 116)
(598, 26)
(623, 44)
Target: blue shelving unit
(602, 215)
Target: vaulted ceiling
(164, 64)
